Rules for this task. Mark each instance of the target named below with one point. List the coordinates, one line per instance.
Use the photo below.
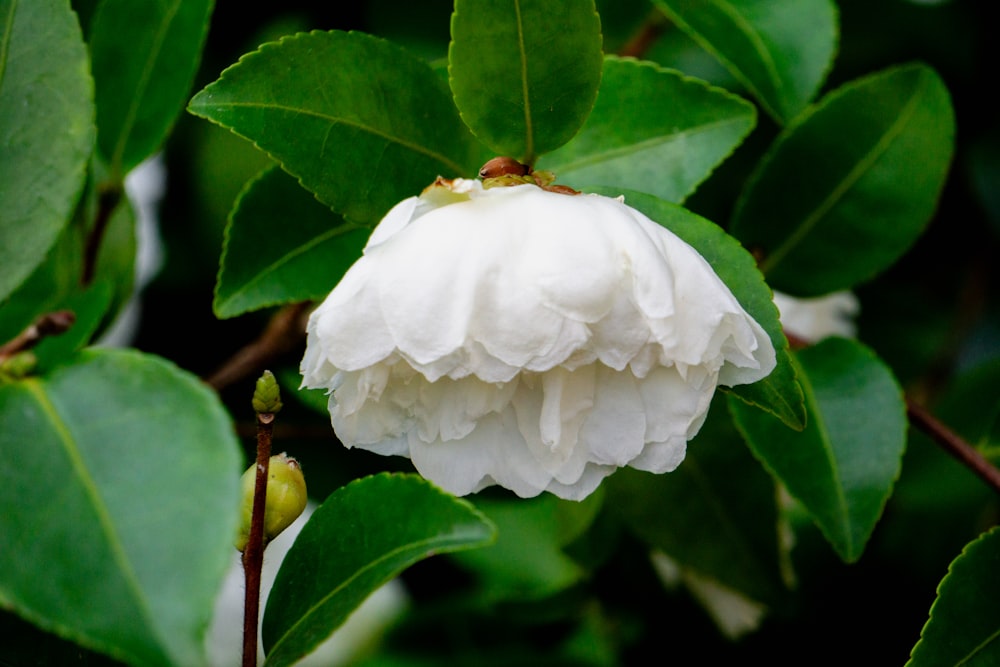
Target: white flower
(526, 338)
(814, 319)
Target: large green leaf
(851, 184)
(145, 55)
(46, 130)
(359, 121)
(120, 502)
(716, 514)
(652, 130)
(964, 624)
(525, 74)
(781, 51)
(778, 393)
(842, 467)
(282, 246)
(365, 534)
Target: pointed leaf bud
(267, 394)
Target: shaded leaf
(715, 514)
(507, 570)
(781, 51)
(46, 130)
(145, 55)
(359, 121)
(122, 499)
(282, 246)
(524, 82)
(779, 393)
(847, 188)
(964, 624)
(652, 130)
(365, 534)
(842, 467)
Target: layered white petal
(530, 339)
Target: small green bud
(19, 366)
(267, 394)
(286, 498)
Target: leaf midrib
(651, 143)
(431, 545)
(842, 188)
(142, 85)
(298, 251)
(5, 42)
(842, 513)
(105, 521)
(333, 120)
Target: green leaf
(716, 513)
(851, 184)
(46, 130)
(779, 393)
(359, 121)
(120, 491)
(652, 130)
(781, 51)
(523, 80)
(282, 246)
(842, 467)
(964, 624)
(506, 569)
(365, 534)
(145, 55)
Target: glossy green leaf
(781, 51)
(120, 497)
(525, 74)
(778, 393)
(715, 514)
(46, 130)
(145, 55)
(842, 467)
(89, 307)
(964, 624)
(507, 570)
(362, 536)
(851, 184)
(359, 121)
(652, 130)
(282, 246)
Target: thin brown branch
(49, 324)
(107, 201)
(939, 432)
(648, 33)
(283, 333)
(253, 553)
(954, 444)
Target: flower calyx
(506, 171)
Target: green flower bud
(286, 498)
(267, 394)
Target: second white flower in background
(526, 338)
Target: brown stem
(648, 33)
(253, 553)
(285, 330)
(940, 433)
(107, 201)
(49, 324)
(954, 444)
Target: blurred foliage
(932, 317)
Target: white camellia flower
(527, 338)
